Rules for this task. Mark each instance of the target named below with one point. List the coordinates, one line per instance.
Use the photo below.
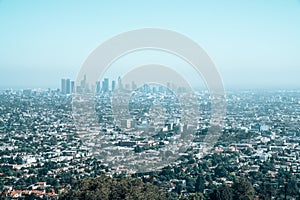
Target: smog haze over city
(254, 44)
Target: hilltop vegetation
(107, 188)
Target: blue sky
(254, 43)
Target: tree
(18, 160)
(196, 196)
(107, 188)
(243, 190)
(220, 171)
(292, 188)
(168, 172)
(222, 193)
(265, 190)
(190, 184)
(178, 188)
(199, 185)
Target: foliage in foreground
(106, 188)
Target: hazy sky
(254, 43)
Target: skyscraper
(84, 86)
(113, 85)
(63, 86)
(105, 85)
(98, 87)
(68, 86)
(72, 87)
(120, 86)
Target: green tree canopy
(243, 190)
(106, 188)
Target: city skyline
(68, 86)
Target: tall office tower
(72, 87)
(84, 84)
(102, 89)
(98, 87)
(120, 86)
(68, 86)
(63, 86)
(113, 85)
(105, 85)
